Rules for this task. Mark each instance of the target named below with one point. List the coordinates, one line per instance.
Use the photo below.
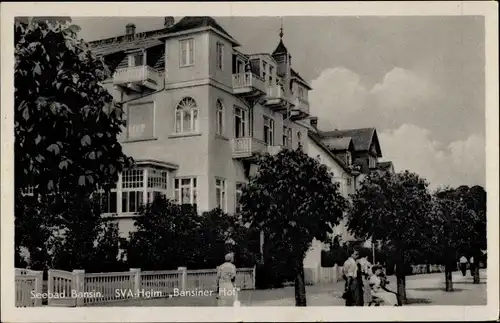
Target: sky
(418, 80)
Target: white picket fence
(78, 288)
(28, 283)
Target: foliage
(394, 208)
(169, 236)
(66, 124)
(66, 143)
(293, 200)
(460, 228)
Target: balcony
(137, 78)
(300, 109)
(276, 98)
(247, 148)
(248, 85)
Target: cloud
(461, 162)
(395, 106)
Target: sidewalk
(426, 289)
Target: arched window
(219, 118)
(186, 116)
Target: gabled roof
(187, 23)
(194, 22)
(342, 143)
(317, 140)
(362, 138)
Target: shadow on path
(433, 289)
(418, 301)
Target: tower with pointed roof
(283, 60)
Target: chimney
(130, 29)
(314, 122)
(168, 22)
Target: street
(426, 289)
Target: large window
(219, 117)
(140, 121)
(240, 121)
(220, 193)
(185, 190)
(220, 55)
(186, 116)
(239, 192)
(135, 187)
(157, 184)
(186, 52)
(269, 131)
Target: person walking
(463, 265)
(226, 276)
(351, 290)
(472, 266)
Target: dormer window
(301, 92)
(137, 59)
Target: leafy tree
(463, 223)
(66, 124)
(66, 128)
(450, 217)
(292, 199)
(394, 208)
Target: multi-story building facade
(198, 110)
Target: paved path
(427, 289)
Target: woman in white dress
(377, 290)
(226, 276)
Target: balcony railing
(300, 109)
(248, 84)
(137, 76)
(275, 92)
(247, 147)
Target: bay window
(135, 187)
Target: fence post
(79, 286)
(183, 277)
(254, 278)
(38, 287)
(136, 279)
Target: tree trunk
(300, 287)
(401, 279)
(448, 270)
